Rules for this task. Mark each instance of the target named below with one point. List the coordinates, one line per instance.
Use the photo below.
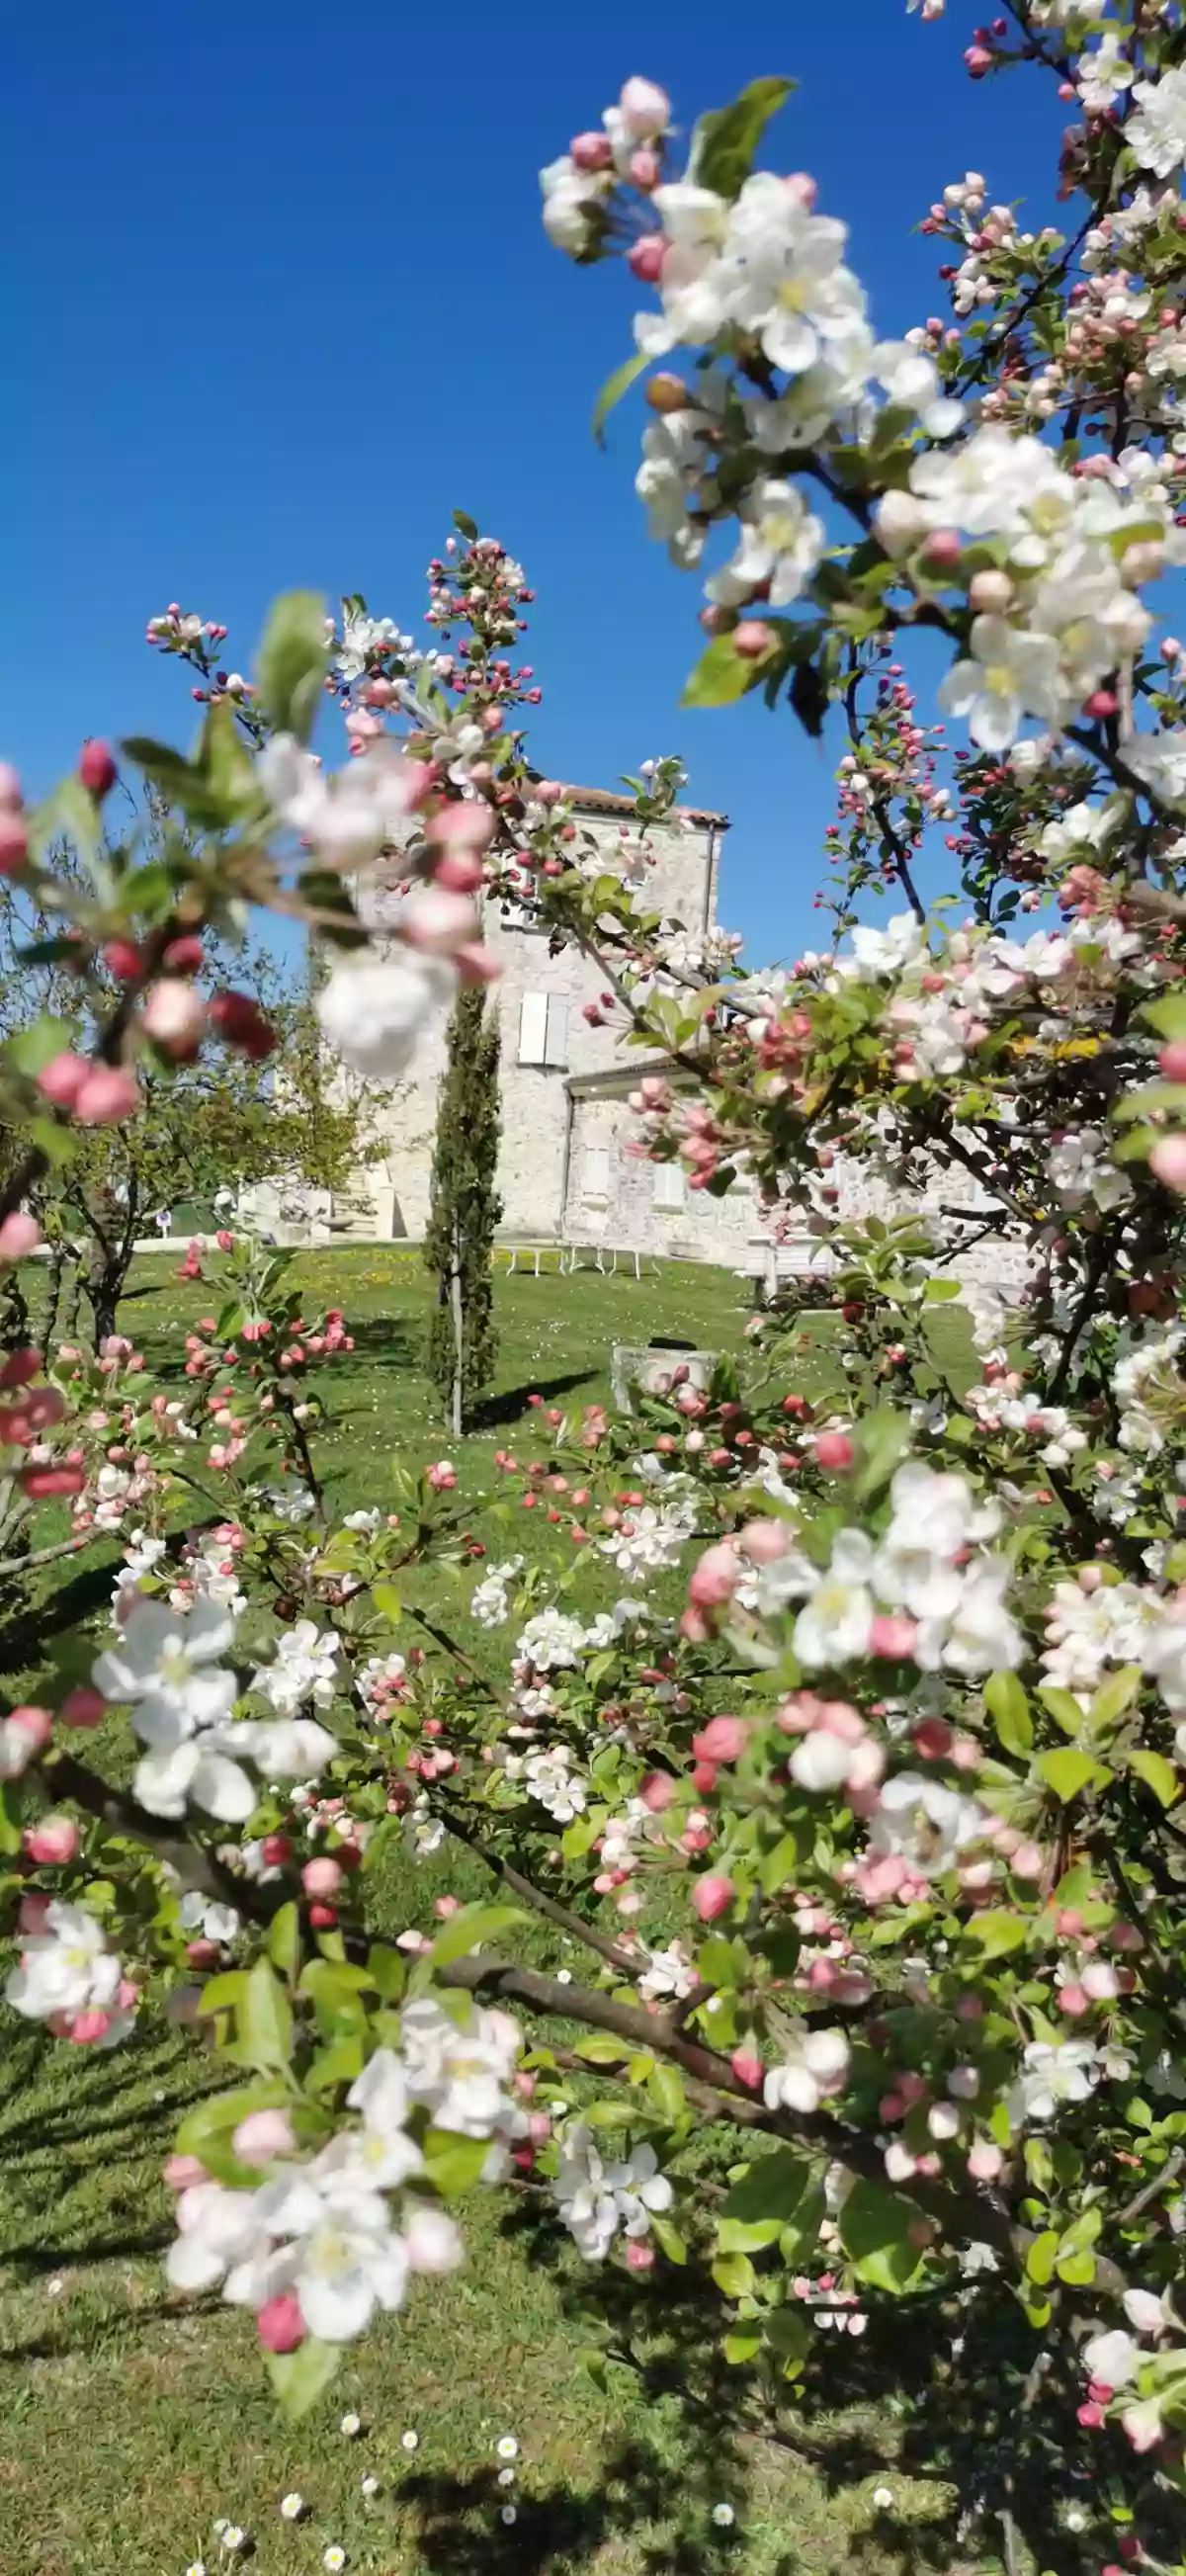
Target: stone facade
(551, 1056)
(566, 1169)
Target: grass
(133, 2419)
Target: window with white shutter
(669, 1185)
(595, 1172)
(556, 1040)
(543, 1029)
(533, 1028)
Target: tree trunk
(55, 1272)
(455, 1301)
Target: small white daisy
(234, 2537)
(197, 2567)
(409, 2441)
(506, 2477)
(510, 2513)
(723, 2515)
(507, 2447)
(350, 2425)
(292, 2507)
(370, 2486)
(883, 2498)
(333, 2559)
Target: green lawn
(132, 2419)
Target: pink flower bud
(97, 769)
(893, 1636)
(591, 151)
(646, 169)
(321, 1877)
(83, 1706)
(109, 1094)
(645, 108)
(1172, 1060)
(53, 1842)
(1168, 1161)
(280, 2325)
(639, 2255)
(19, 1234)
(174, 1014)
(714, 1579)
(263, 2135)
(762, 1541)
(438, 922)
(182, 2172)
(657, 1791)
(747, 2068)
(752, 637)
(62, 1078)
(722, 1740)
(645, 257)
(14, 844)
(833, 1449)
(712, 1897)
(28, 1729)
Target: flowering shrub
(862, 1799)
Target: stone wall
(533, 1164)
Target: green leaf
(264, 2020)
(10, 1831)
(734, 2274)
(739, 2348)
(1157, 1774)
(593, 2364)
(766, 2195)
(1067, 1771)
(1063, 1706)
(386, 1600)
(207, 2130)
(301, 2377)
(613, 389)
(881, 1437)
(600, 2048)
(475, 1923)
(33, 1048)
(465, 526)
(997, 1932)
(1115, 1694)
(292, 662)
(1040, 2257)
(1076, 2269)
(874, 2227)
(388, 1972)
(725, 141)
(1009, 1710)
(224, 1993)
(722, 675)
(665, 2085)
(669, 2240)
(284, 1942)
(340, 2063)
(452, 2163)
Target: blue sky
(278, 300)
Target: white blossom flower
(373, 1012)
(1013, 672)
(1156, 127)
(781, 545)
(304, 1666)
(549, 1778)
(66, 1969)
(816, 2064)
(1053, 2073)
(837, 1618)
(923, 1823)
(596, 2199)
(459, 2071)
(1112, 2358)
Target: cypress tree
(464, 1209)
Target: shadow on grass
(511, 1405)
(667, 2486)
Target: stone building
(565, 1171)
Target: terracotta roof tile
(602, 800)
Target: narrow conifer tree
(464, 1210)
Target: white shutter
(595, 1172)
(669, 1185)
(556, 1040)
(533, 1028)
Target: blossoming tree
(873, 1853)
